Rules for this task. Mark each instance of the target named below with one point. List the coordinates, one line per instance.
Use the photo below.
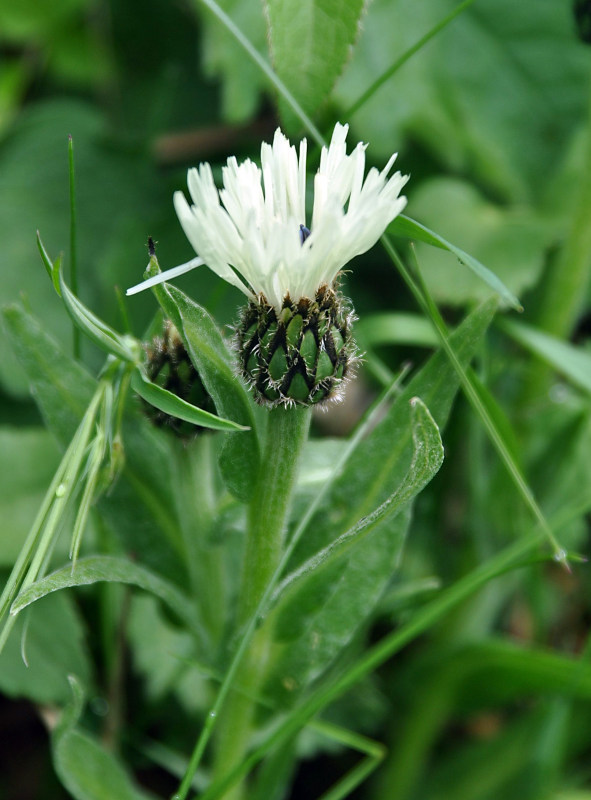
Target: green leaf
(54, 647)
(164, 657)
(111, 180)
(326, 619)
(499, 132)
(209, 353)
(570, 361)
(177, 407)
(111, 569)
(86, 769)
(410, 229)
(310, 43)
(28, 459)
(123, 347)
(140, 506)
(61, 387)
(426, 461)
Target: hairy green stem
(195, 501)
(249, 630)
(287, 430)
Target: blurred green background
(491, 120)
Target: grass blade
(411, 229)
(424, 619)
(393, 69)
(565, 358)
(265, 68)
(424, 299)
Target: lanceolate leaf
(411, 229)
(171, 404)
(209, 353)
(426, 461)
(322, 620)
(310, 43)
(112, 569)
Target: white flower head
(253, 232)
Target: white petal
(248, 233)
(165, 276)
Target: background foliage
(491, 118)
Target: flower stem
(287, 430)
(196, 498)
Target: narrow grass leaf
(424, 619)
(111, 569)
(411, 229)
(73, 239)
(570, 361)
(175, 406)
(34, 555)
(95, 460)
(401, 60)
(47, 263)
